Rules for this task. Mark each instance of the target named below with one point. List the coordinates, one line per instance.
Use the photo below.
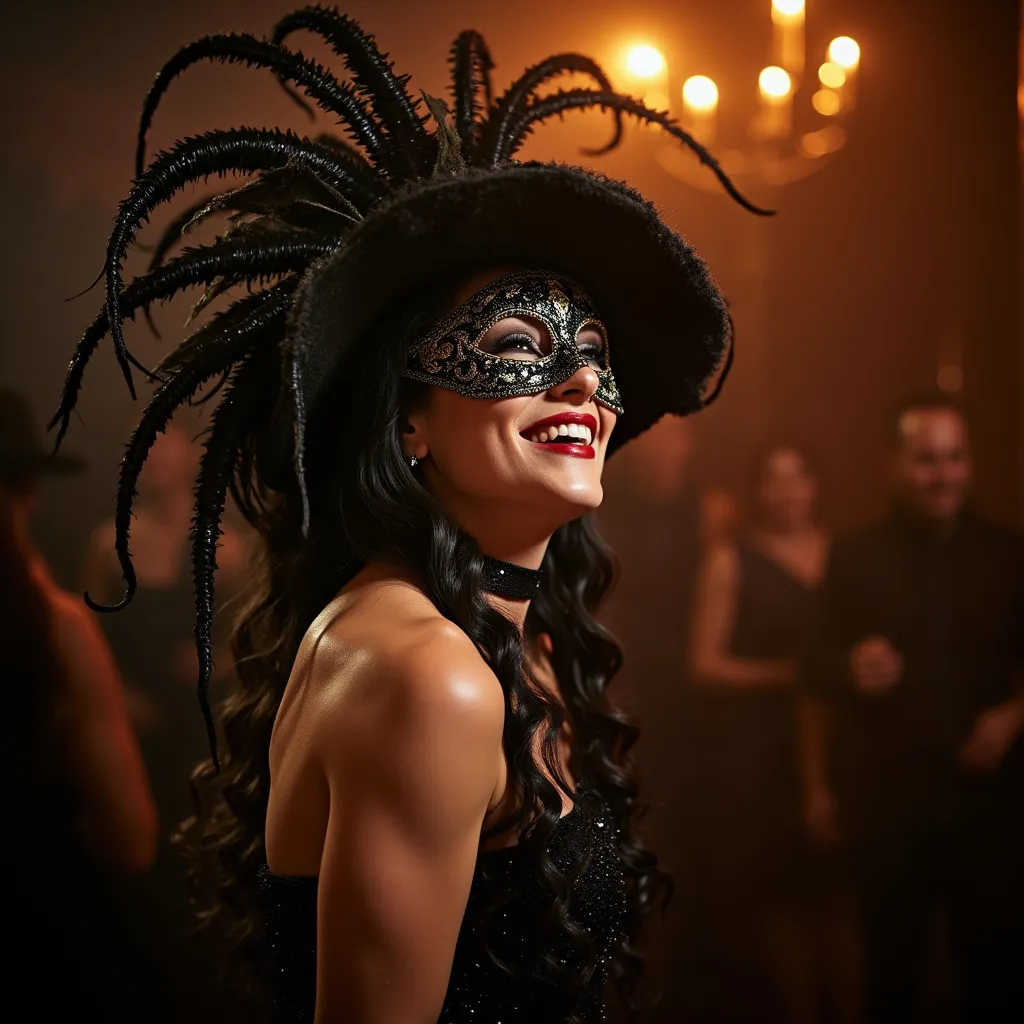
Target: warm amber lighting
(845, 52)
(645, 61)
(813, 144)
(831, 75)
(656, 100)
(700, 93)
(824, 141)
(950, 379)
(788, 8)
(826, 102)
(774, 83)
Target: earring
(413, 462)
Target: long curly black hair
(351, 498)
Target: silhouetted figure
(154, 643)
(659, 520)
(77, 804)
(762, 943)
(919, 648)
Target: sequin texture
(584, 845)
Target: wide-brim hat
(668, 326)
(22, 453)
(329, 233)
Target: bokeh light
(645, 61)
(831, 75)
(700, 93)
(826, 102)
(789, 8)
(845, 52)
(775, 83)
(824, 141)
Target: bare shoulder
(386, 663)
(90, 670)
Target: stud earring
(413, 462)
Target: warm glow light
(831, 75)
(700, 93)
(656, 100)
(814, 145)
(845, 52)
(645, 62)
(789, 8)
(950, 379)
(774, 83)
(824, 141)
(826, 102)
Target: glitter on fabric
(584, 845)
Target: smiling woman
(425, 809)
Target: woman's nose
(581, 386)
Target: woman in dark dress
(425, 800)
(755, 863)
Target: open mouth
(567, 433)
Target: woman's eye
(591, 346)
(516, 345)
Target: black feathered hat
(335, 231)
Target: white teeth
(572, 431)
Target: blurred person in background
(653, 483)
(768, 929)
(919, 648)
(154, 644)
(81, 812)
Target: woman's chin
(571, 498)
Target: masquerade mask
(450, 353)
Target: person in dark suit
(919, 648)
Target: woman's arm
(820, 810)
(119, 817)
(714, 618)
(411, 776)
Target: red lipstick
(573, 447)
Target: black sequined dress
(584, 844)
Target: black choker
(508, 580)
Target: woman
(425, 797)
(79, 808)
(754, 606)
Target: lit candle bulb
(700, 107)
(648, 70)
(844, 57)
(776, 88)
(788, 34)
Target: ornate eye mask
(456, 353)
